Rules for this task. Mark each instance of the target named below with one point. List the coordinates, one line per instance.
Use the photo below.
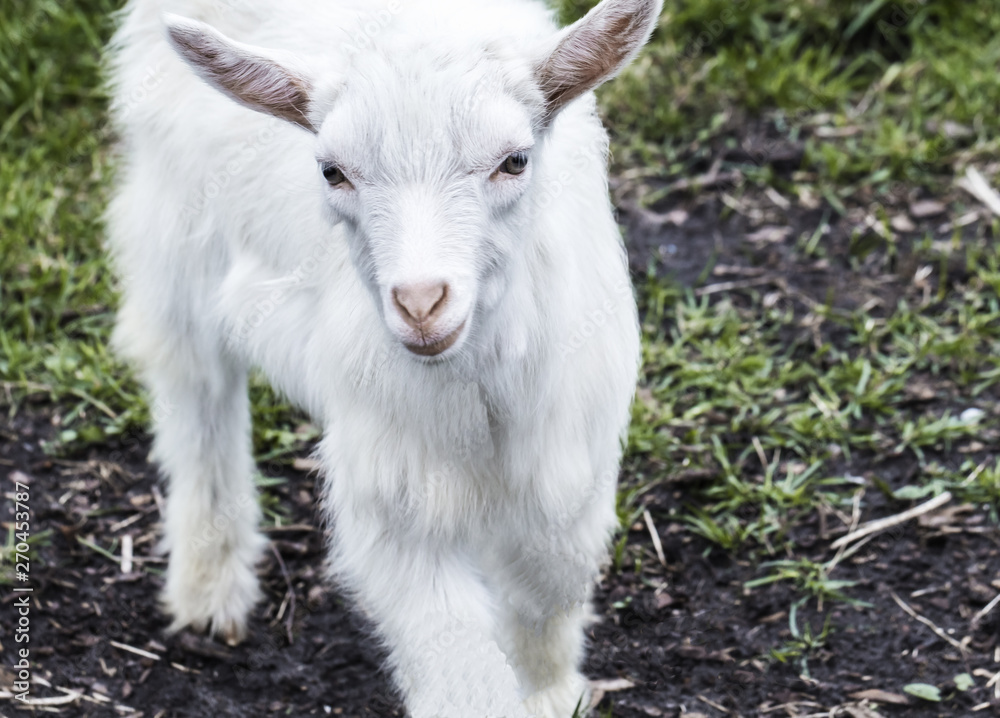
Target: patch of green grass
(803, 643)
(754, 398)
(56, 293)
(811, 578)
(274, 510)
(884, 77)
(10, 557)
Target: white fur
(471, 494)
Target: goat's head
(426, 153)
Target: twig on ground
(599, 688)
(136, 651)
(890, 521)
(655, 536)
(995, 682)
(792, 706)
(124, 522)
(729, 286)
(989, 607)
(927, 622)
(126, 564)
(291, 593)
(851, 528)
(160, 503)
(845, 552)
(715, 705)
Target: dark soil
(687, 635)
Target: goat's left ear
(594, 49)
(263, 80)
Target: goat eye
(334, 175)
(515, 163)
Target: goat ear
(262, 80)
(594, 49)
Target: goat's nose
(420, 304)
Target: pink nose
(420, 305)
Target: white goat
(403, 220)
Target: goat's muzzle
(433, 348)
(422, 306)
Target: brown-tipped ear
(251, 76)
(594, 49)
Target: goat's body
(472, 499)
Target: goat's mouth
(430, 349)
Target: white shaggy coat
(472, 493)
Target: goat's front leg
(547, 576)
(434, 613)
(543, 632)
(203, 444)
(547, 656)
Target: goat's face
(427, 166)
(426, 155)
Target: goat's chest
(434, 463)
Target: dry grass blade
(655, 536)
(126, 564)
(852, 526)
(880, 696)
(136, 651)
(602, 686)
(730, 286)
(290, 594)
(124, 522)
(715, 705)
(890, 521)
(989, 607)
(927, 622)
(975, 184)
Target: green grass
(751, 397)
(803, 642)
(895, 71)
(55, 288)
(771, 403)
(11, 560)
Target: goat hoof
(213, 594)
(230, 631)
(561, 699)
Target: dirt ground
(686, 637)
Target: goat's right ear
(263, 80)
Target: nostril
(442, 299)
(418, 303)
